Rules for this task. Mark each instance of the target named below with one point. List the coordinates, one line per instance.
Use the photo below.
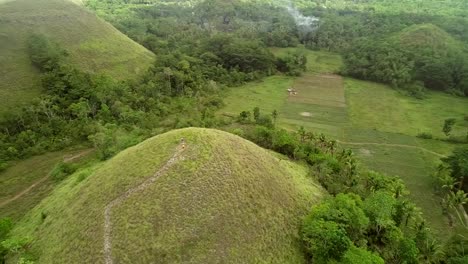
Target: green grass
(227, 201)
(376, 106)
(93, 45)
(269, 94)
(22, 175)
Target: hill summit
(187, 196)
(93, 45)
(429, 37)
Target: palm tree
(432, 252)
(456, 201)
(302, 133)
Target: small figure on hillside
(182, 142)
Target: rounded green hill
(429, 38)
(212, 197)
(93, 44)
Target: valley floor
(378, 123)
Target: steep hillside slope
(93, 44)
(216, 198)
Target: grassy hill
(94, 45)
(221, 199)
(428, 37)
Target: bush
(325, 240)
(3, 166)
(425, 135)
(265, 120)
(62, 170)
(238, 131)
(416, 90)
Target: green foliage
(425, 135)
(356, 255)
(448, 125)
(244, 117)
(44, 54)
(256, 113)
(293, 64)
(5, 226)
(380, 208)
(379, 61)
(457, 162)
(325, 240)
(62, 170)
(345, 210)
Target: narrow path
(107, 212)
(20, 194)
(393, 145)
(43, 179)
(77, 156)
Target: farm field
(375, 121)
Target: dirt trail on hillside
(43, 179)
(393, 145)
(141, 187)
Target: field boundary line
(393, 145)
(141, 187)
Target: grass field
(225, 200)
(402, 114)
(359, 113)
(20, 176)
(93, 45)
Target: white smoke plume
(304, 23)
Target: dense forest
(205, 47)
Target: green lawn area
(363, 112)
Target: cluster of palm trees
(453, 197)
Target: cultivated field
(380, 124)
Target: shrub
(62, 170)
(3, 166)
(238, 131)
(265, 120)
(425, 135)
(325, 240)
(416, 90)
